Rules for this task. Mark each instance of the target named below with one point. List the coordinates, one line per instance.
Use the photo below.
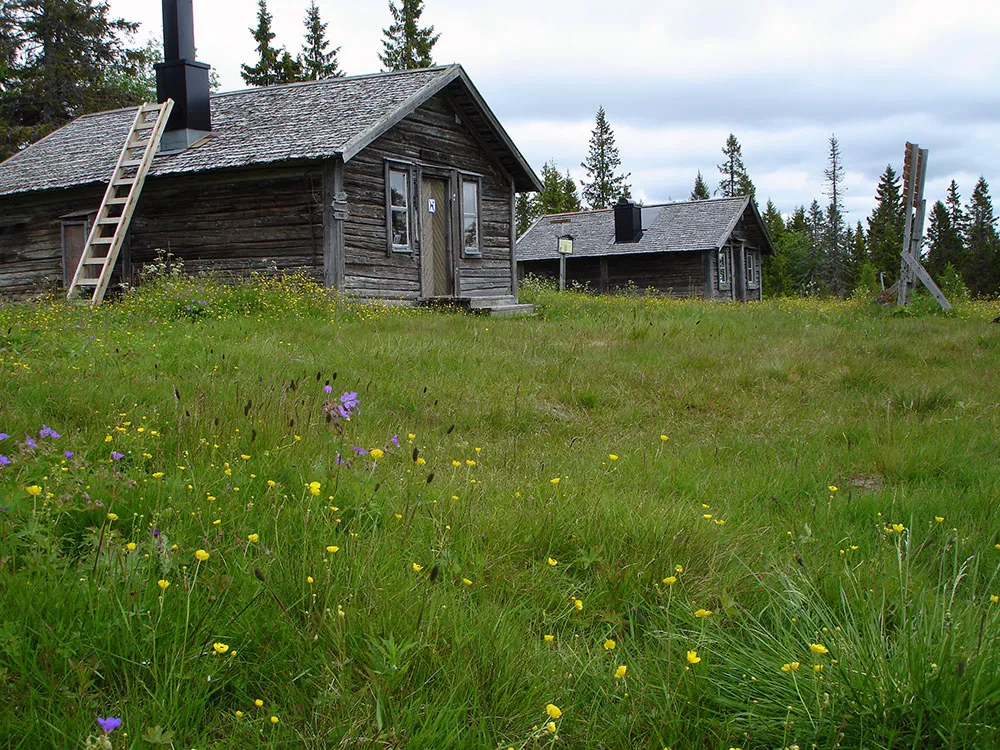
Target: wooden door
(74, 237)
(438, 273)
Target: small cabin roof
(268, 125)
(666, 227)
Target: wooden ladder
(108, 233)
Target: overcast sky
(677, 76)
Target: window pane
(400, 232)
(397, 189)
(471, 232)
(470, 198)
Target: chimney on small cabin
(181, 78)
(628, 221)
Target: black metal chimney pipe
(628, 221)
(181, 78)
(178, 30)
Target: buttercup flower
(703, 613)
(376, 453)
(609, 644)
(552, 561)
(253, 538)
(333, 549)
(553, 711)
(163, 583)
(670, 580)
(692, 657)
(34, 490)
(819, 649)
(620, 672)
(417, 568)
(258, 703)
(551, 726)
(220, 648)
(549, 637)
(202, 555)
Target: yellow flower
(314, 488)
(692, 657)
(703, 613)
(239, 714)
(244, 456)
(549, 637)
(792, 667)
(376, 453)
(707, 516)
(898, 528)
(664, 438)
(108, 438)
(271, 483)
(157, 475)
(995, 598)
(253, 538)
(469, 462)
(553, 711)
(456, 464)
(220, 648)
(620, 672)
(833, 488)
(719, 522)
(416, 567)
(670, 580)
(130, 546)
(309, 579)
(201, 555)
(552, 561)
(334, 508)
(939, 519)
(612, 456)
(217, 521)
(410, 436)
(819, 649)
(554, 480)
(258, 703)
(333, 549)
(817, 667)
(421, 460)
(609, 644)
(274, 719)
(466, 581)
(34, 490)
(578, 603)
(551, 726)
(163, 583)
(678, 568)
(398, 516)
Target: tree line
(60, 59)
(405, 46)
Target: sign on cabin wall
(432, 206)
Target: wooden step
(94, 261)
(88, 282)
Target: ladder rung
(88, 282)
(131, 163)
(94, 261)
(145, 126)
(124, 181)
(102, 240)
(110, 220)
(117, 201)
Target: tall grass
(510, 498)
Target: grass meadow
(623, 523)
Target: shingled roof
(667, 227)
(305, 121)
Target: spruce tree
(267, 71)
(885, 226)
(60, 59)
(812, 279)
(525, 212)
(735, 179)
(407, 46)
(773, 221)
(982, 244)
(605, 187)
(944, 241)
(834, 240)
(700, 191)
(558, 194)
(315, 61)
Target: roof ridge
(332, 80)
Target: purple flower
(69, 454)
(395, 440)
(328, 388)
(4, 461)
(117, 456)
(156, 532)
(340, 461)
(348, 403)
(4, 436)
(109, 724)
(48, 432)
(359, 451)
(30, 442)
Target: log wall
(432, 138)
(680, 274)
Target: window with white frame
(723, 263)
(398, 208)
(470, 217)
(751, 269)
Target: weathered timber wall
(31, 238)
(679, 274)
(234, 222)
(430, 137)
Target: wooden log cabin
(396, 186)
(710, 249)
